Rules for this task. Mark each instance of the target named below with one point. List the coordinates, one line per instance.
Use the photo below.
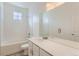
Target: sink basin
(45, 37)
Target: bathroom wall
(0, 25)
(41, 25)
(62, 21)
(34, 24)
(35, 10)
(14, 30)
(0, 21)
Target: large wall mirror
(61, 22)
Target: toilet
(25, 47)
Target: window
(17, 15)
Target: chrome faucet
(29, 35)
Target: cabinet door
(35, 50)
(43, 53)
(30, 49)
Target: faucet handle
(29, 35)
(73, 34)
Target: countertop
(55, 48)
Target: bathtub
(11, 48)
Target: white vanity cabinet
(44, 53)
(51, 48)
(36, 50)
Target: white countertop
(55, 48)
(12, 43)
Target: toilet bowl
(25, 47)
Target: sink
(45, 38)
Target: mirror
(43, 25)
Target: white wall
(33, 23)
(0, 21)
(14, 31)
(35, 8)
(7, 33)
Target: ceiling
(34, 7)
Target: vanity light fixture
(52, 5)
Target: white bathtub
(11, 48)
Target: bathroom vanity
(50, 47)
